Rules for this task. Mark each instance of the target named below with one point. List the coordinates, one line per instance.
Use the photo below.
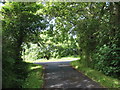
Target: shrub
(107, 60)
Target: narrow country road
(62, 75)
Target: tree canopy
(58, 29)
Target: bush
(107, 60)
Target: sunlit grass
(35, 77)
(36, 67)
(54, 59)
(97, 76)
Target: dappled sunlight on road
(62, 75)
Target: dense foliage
(60, 29)
(20, 25)
(96, 26)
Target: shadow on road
(62, 75)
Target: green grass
(35, 76)
(97, 76)
(54, 59)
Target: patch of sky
(1, 4)
(107, 3)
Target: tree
(21, 24)
(96, 27)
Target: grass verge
(97, 76)
(35, 76)
(54, 59)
